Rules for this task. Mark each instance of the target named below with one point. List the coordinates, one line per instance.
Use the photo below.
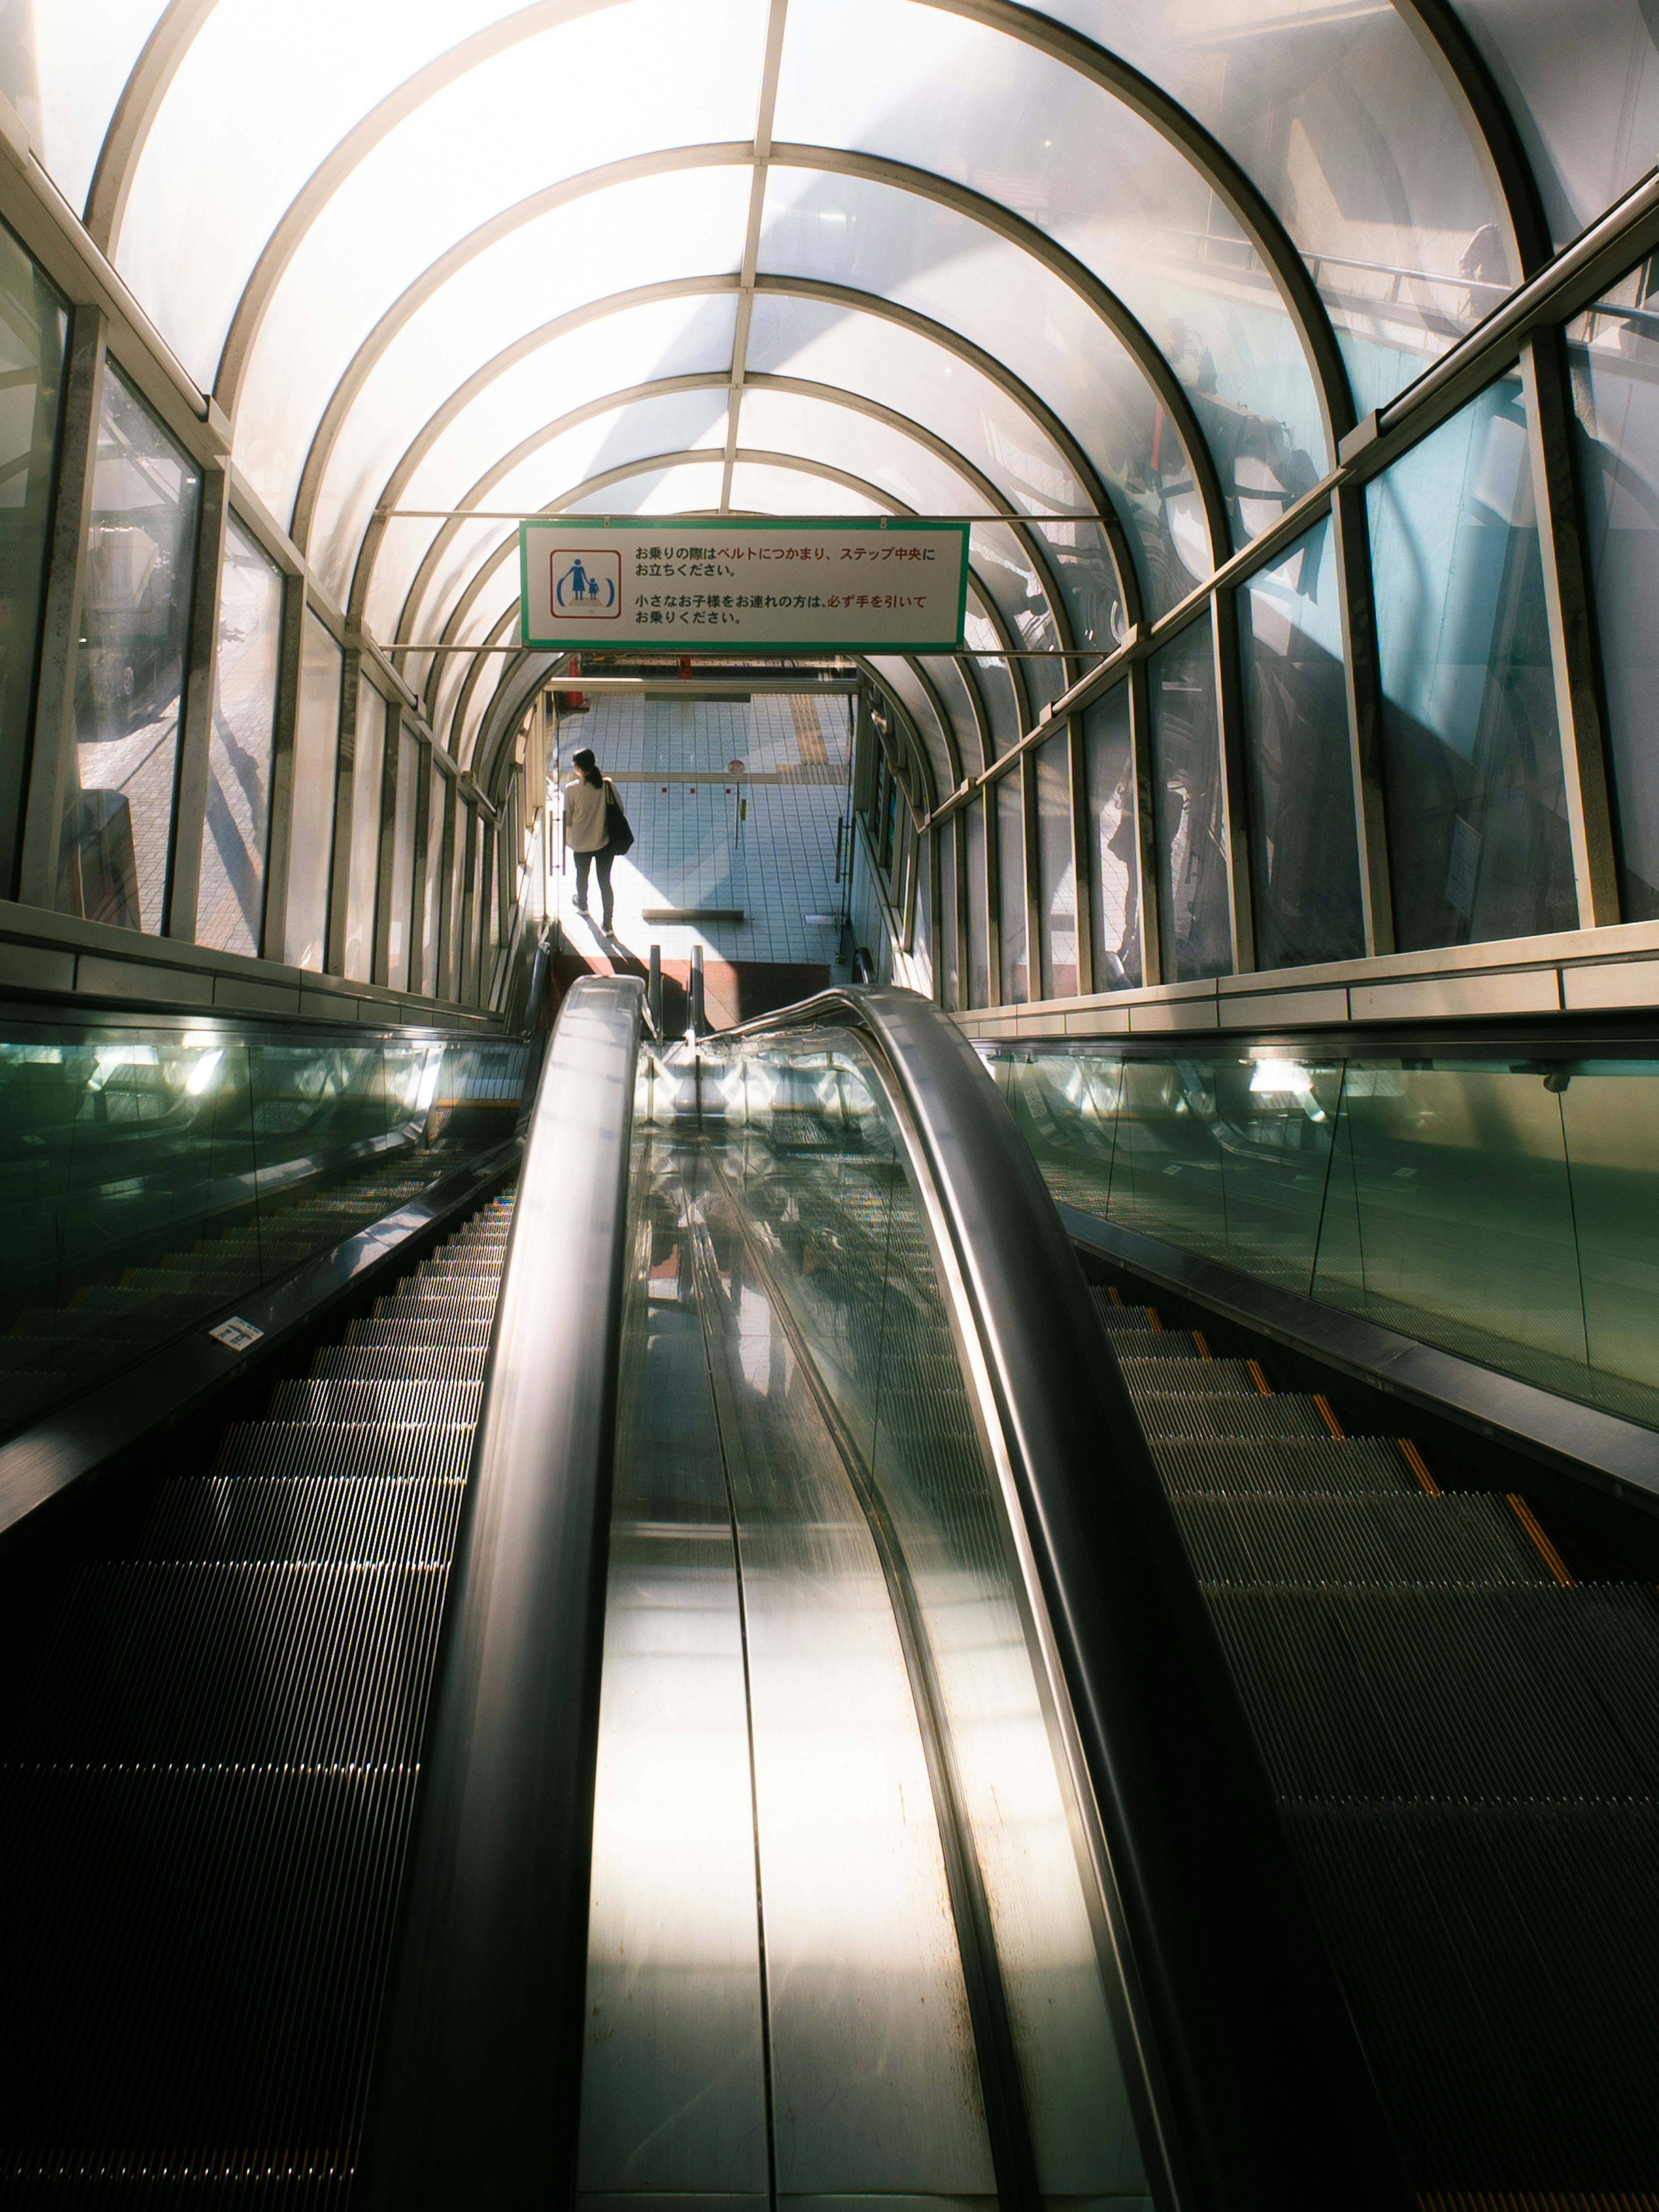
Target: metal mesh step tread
(1154, 1374)
(417, 1331)
(411, 1362)
(363, 1518)
(1312, 1541)
(1449, 1694)
(344, 1447)
(436, 1303)
(1183, 1418)
(441, 1402)
(1284, 1466)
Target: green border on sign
(730, 646)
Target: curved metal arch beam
(495, 560)
(991, 214)
(1227, 179)
(1462, 67)
(713, 381)
(960, 349)
(136, 111)
(470, 684)
(947, 734)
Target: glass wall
(316, 754)
(1056, 869)
(1109, 770)
(117, 821)
(236, 826)
(1305, 856)
(403, 861)
(979, 936)
(437, 786)
(1614, 353)
(1477, 814)
(1010, 888)
(368, 765)
(34, 329)
(949, 992)
(1194, 925)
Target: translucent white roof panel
(875, 238)
(947, 679)
(652, 230)
(1582, 81)
(1035, 136)
(62, 67)
(764, 488)
(1341, 119)
(209, 192)
(902, 679)
(822, 430)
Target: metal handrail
(476, 2088)
(1260, 2090)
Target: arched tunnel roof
(1122, 273)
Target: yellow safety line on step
(1329, 1418)
(1259, 1378)
(1203, 1348)
(1153, 1321)
(1546, 1550)
(1418, 1466)
(1114, 1298)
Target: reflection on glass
(1056, 869)
(979, 907)
(1614, 351)
(1476, 818)
(922, 940)
(150, 1176)
(236, 827)
(1011, 887)
(118, 820)
(403, 863)
(1304, 858)
(437, 790)
(316, 752)
(1109, 770)
(950, 992)
(1506, 1213)
(368, 772)
(1195, 925)
(34, 328)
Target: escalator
(759, 1688)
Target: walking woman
(587, 797)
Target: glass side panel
(151, 1175)
(901, 678)
(1472, 752)
(1305, 856)
(34, 330)
(1032, 133)
(1012, 906)
(949, 991)
(117, 821)
(316, 754)
(437, 789)
(1614, 351)
(236, 827)
(808, 1172)
(979, 957)
(1582, 84)
(1505, 1213)
(403, 862)
(1056, 868)
(367, 776)
(1195, 925)
(1109, 770)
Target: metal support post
(345, 785)
(1034, 914)
(52, 755)
(381, 968)
(653, 991)
(289, 662)
(1569, 610)
(444, 985)
(196, 709)
(418, 960)
(697, 1023)
(1235, 777)
(1151, 876)
(985, 799)
(1363, 677)
(1083, 835)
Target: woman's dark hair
(584, 760)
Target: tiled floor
(672, 765)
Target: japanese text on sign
(716, 586)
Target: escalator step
(365, 1518)
(341, 1448)
(1449, 1694)
(1157, 1375)
(1501, 1961)
(434, 1304)
(416, 1361)
(467, 1335)
(1288, 1466)
(1188, 1419)
(1467, 1538)
(162, 2010)
(403, 1401)
(288, 1664)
